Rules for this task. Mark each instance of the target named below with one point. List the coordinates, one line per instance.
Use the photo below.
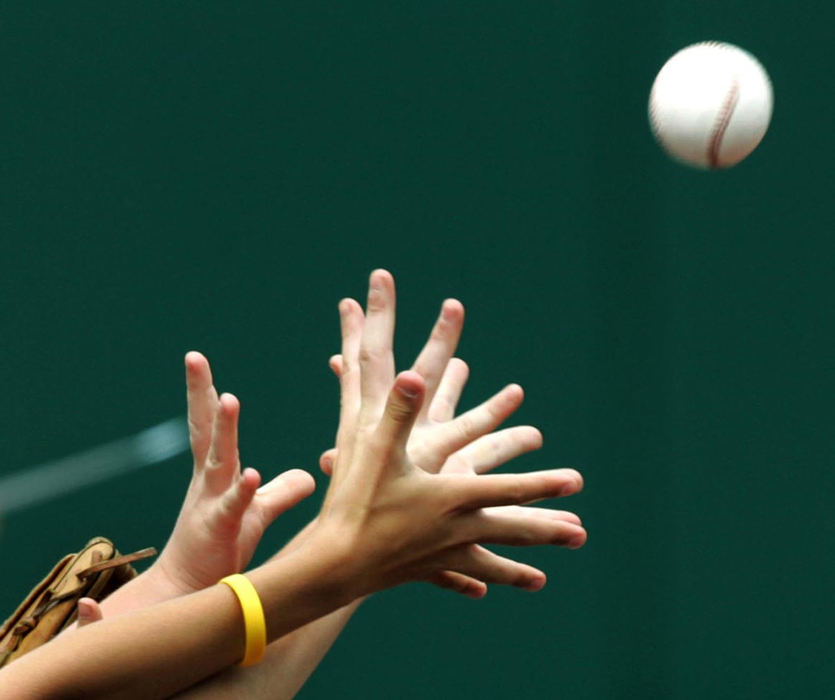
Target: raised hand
(223, 516)
(379, 499)
(438, 432)
(225, 513)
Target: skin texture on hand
(447, 515)
(437, 431)
(435, 441)
(168, 647)
(224, 514)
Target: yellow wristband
(254, 622)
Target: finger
(472, 492)
(284, 492)
(88, 611)
(439, 348)
(239, 495)
(351, 321)
(520, 528)
(495, 449)
(548, 513)
(335, 363)
(376, 352)
(202, 404)
(327, 460)
(481, 564)
(400, 413)
(453, 581)
(451, 436)
(443, 405)
(223, 463)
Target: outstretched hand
(225, 513)
(403, 522)
(467, 438)
(474, 448)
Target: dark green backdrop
(203, 175)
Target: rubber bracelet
(254, 623)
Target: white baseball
(710, 105)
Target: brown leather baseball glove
(95, 572)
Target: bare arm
(287, 665)
(157, 651)
(288, 661)
(384, 522)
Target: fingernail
(569, 489)
(535, 584)
(408, 393)
(85, 610)
(327, 463)
(578, 541)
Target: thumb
(402, 407)
(284, 492)
(88, 611)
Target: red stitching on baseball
(725, 115)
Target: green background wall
(211, 176)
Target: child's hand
(466, 440)
(225, 513)
(392, 521)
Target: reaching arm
(224, 513)
(287, 665)
(157, 651)
(384, 521)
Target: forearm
(286, 667)
(296, 655)
(148, 653)
(158, 651)
(149, 588)
(288, 662)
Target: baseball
(710, 105)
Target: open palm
(225, 513)
(469, 439)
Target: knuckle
(496, 407)
(377, 299)
(441, 406)
(515, 492)
(440, 330)
(466, 427)
(371, 354)
(496, 446)
(399, 413)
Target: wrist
(299, 539)
(300, 587)
(342, 552)
(167, 580)
(330, 557)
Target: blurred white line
(45, 482)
